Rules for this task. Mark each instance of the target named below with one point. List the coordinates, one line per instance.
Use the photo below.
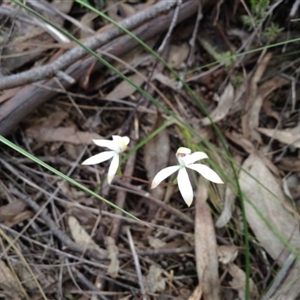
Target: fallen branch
(26, 99)
(78, 52)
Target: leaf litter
(251, 99)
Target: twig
(161, 51)
(218, 8)
(136, 263)
(149, 252)
(294, 9)
(4, 43)
(171, 28)
(86, 282)
(85, 262)
(154, 252)
(26, 99)
(130, 188)
(192, 41)
(41, 191)
(115, 281)
(280, 277)
(121, 196)
(65, 239)
(78, 52)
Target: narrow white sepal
(106, 144)
(163, 174)
(185, 186)
(113, 168)
(99, 158)
(122, 142)
(206, 172)
(195, 157)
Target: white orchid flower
(186, 160)
(117, 146)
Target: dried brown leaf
(61, 134)
(291, 164)
(287, 136)
(266, 197)
(252, 115)
(112, 10)
(71, 192)
(254, 101)
(156, 153)
(239, 282)
(19, 218)
(86, 22)
(154, 282)
(178, 55)
(224, 106)
(9, 283)
(227, 254)
(206, 246)
(165, 80)
(250, 148)
(197, 293)
(124, 88)
(229, 199)
(113, 251)
(9, 94)
(226, 214)
(26, 276)
(291, 186)
(289, 287)
(55, 119)
(156, 157)
(73, 151)
(127, 9)
(156, 243)
(81, 237)
(10, 210)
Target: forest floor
(220, 78)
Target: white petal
(185, 186)
(121, 139)
(99, 158)
(112, 145)
(122, 142)
(163, 174)
(183, 151)
(113, 168)
(195, 157)
(206, 172)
